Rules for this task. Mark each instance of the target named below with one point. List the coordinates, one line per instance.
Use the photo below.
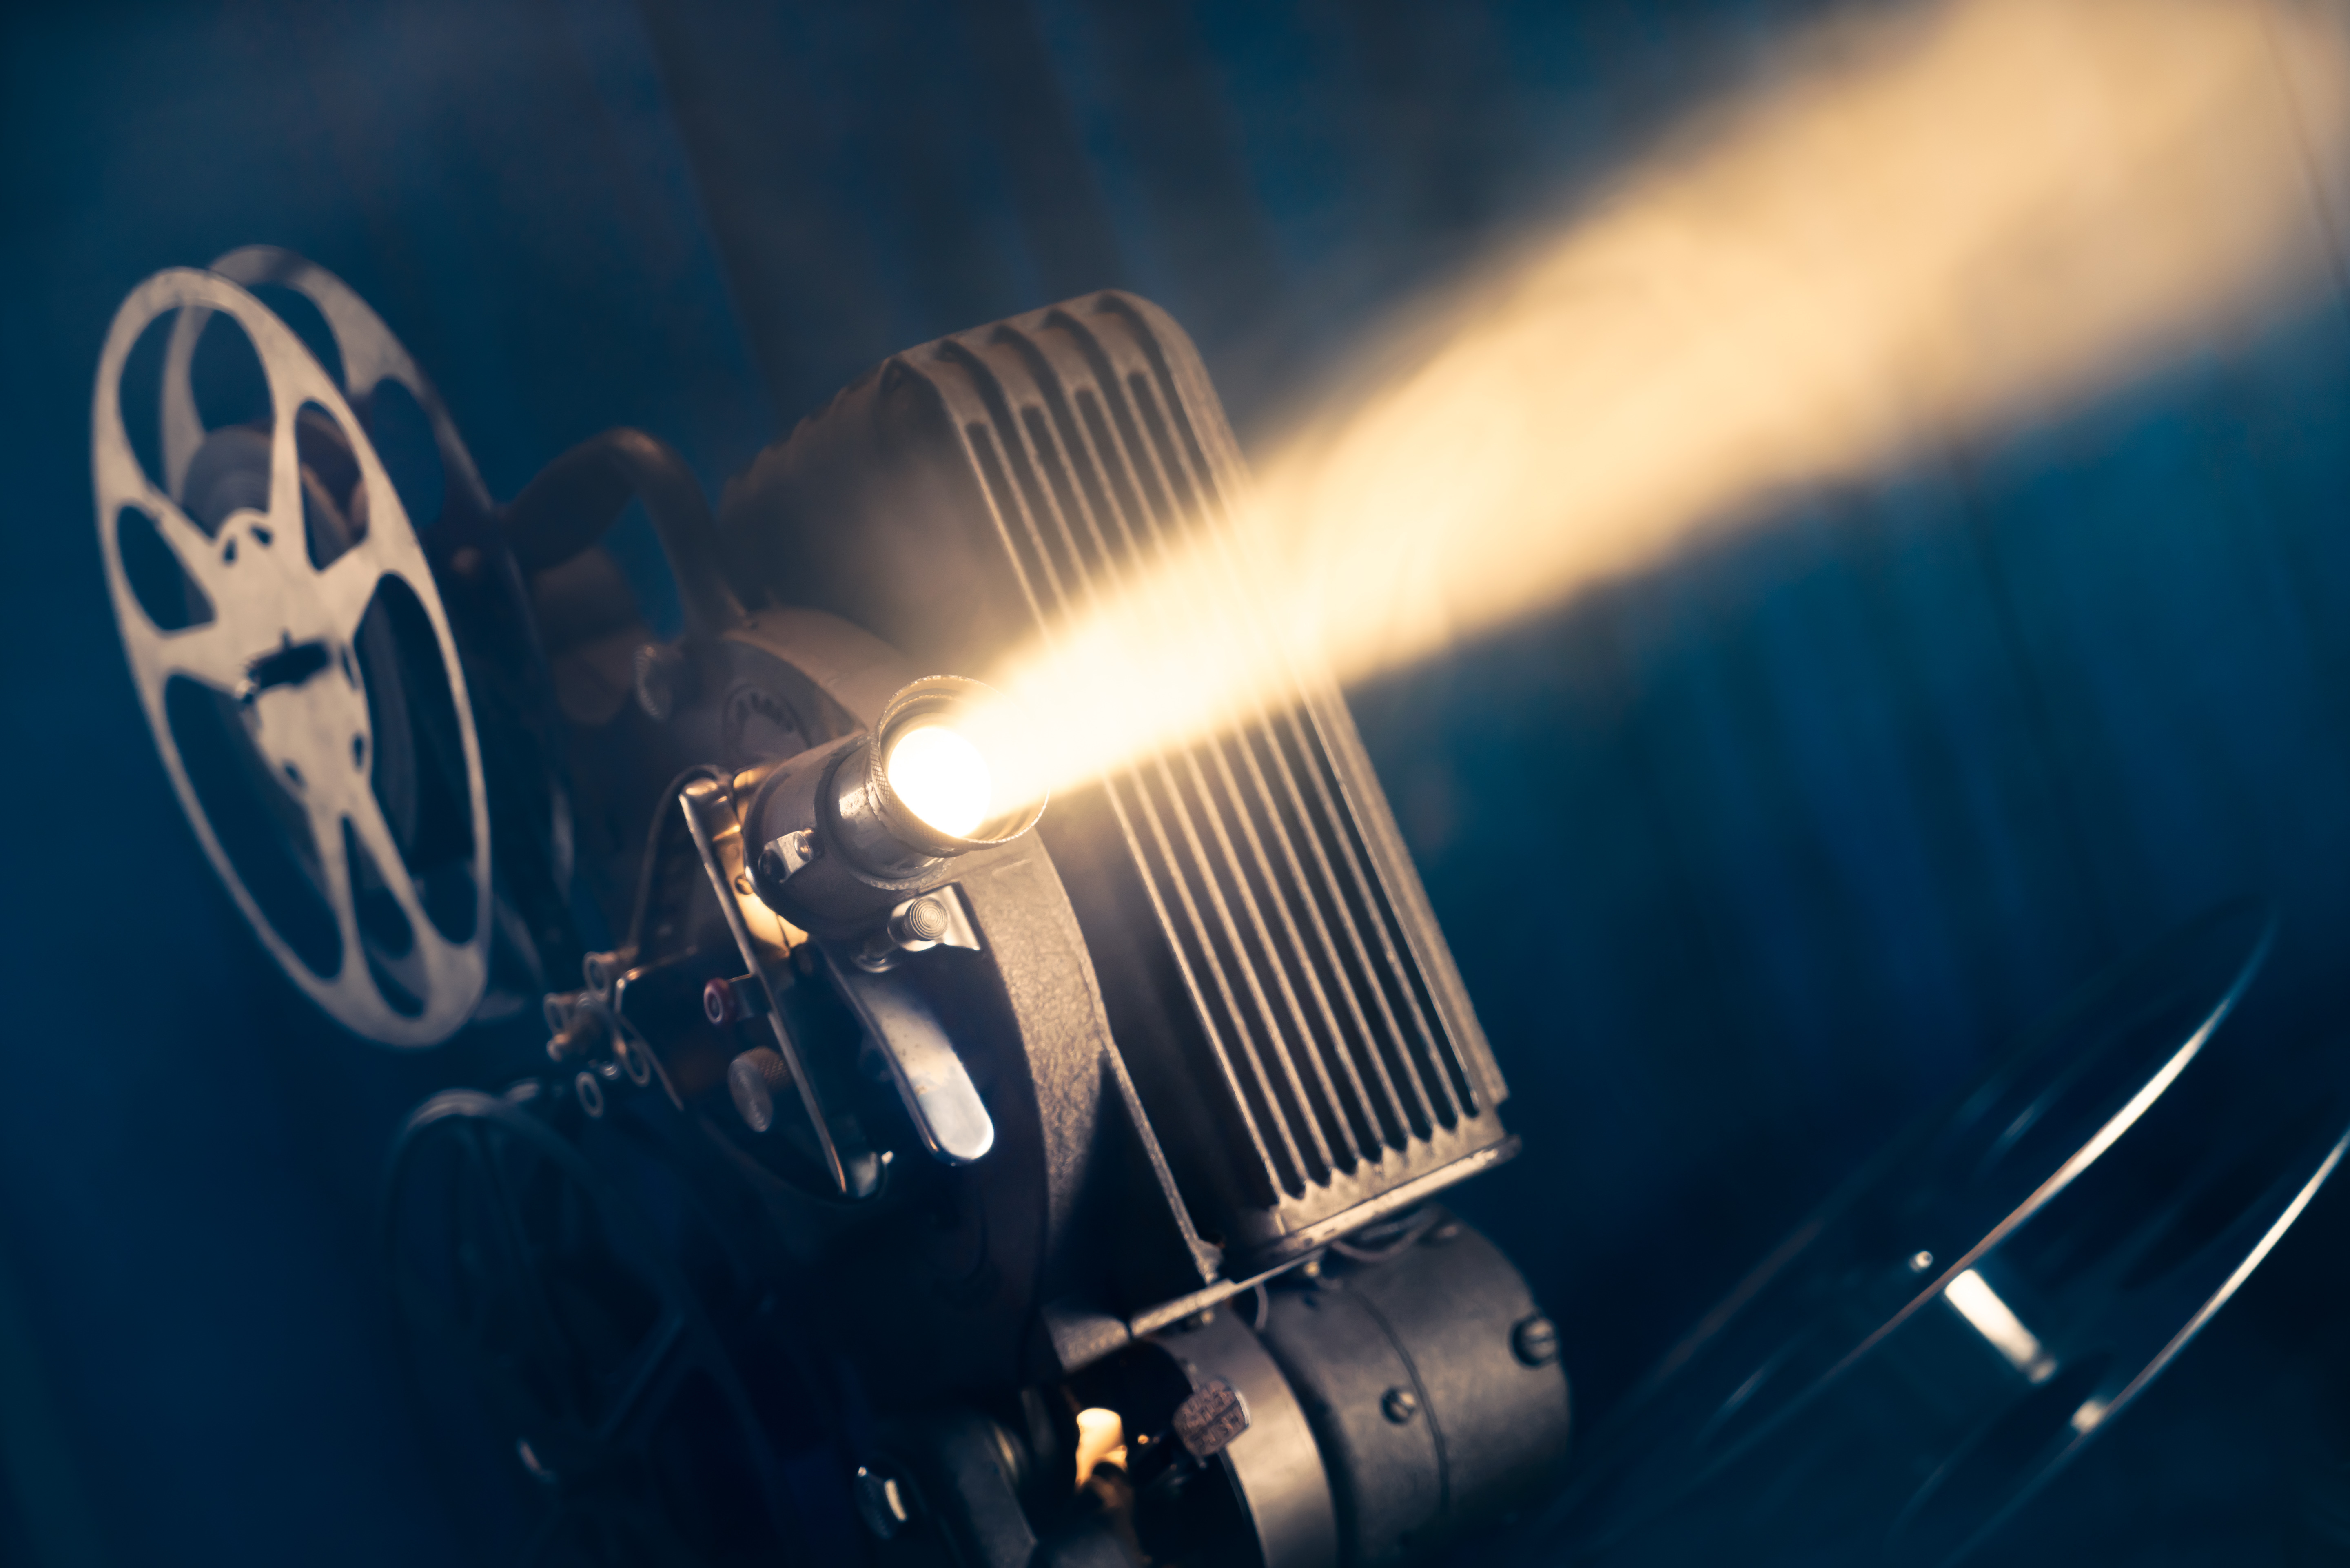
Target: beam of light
(1937, 223)
(1996, 1322)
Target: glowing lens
(941, 777)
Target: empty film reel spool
(649, 1406)
(1946, 1335)
(297, 667)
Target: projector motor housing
(854, 1177)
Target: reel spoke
(379, 907)
(208, 653)
(193, 551)
(347, 586)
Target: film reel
(295, 660)
(635, 1367)
(1941, 1339)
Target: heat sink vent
(1279, 991)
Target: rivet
(1534, 1341)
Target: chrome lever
(938, 1094)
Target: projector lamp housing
(1275, 982)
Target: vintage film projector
(870, 1149)
(909, 1179)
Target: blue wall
(1819, 818)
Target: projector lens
(942, 777)
(939, 773)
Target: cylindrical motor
(1433, 1384)
(1369, 1411)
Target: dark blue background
(1813, 822)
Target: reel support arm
(576, 499)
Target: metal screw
(1534, 1341)
(1399, 1406)
(781, 861)
(883, 1503)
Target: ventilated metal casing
(1277, 987)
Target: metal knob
(725, 1001)
(922, 923)
(753, 1081)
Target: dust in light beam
(1934, 223)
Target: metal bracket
(793, 850)
(767, 943)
